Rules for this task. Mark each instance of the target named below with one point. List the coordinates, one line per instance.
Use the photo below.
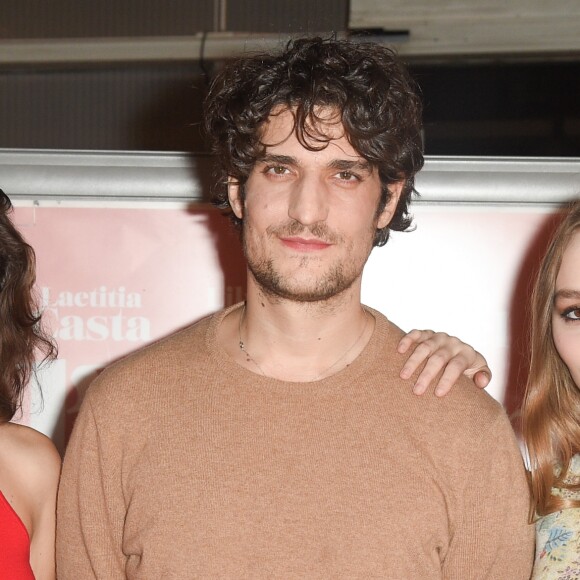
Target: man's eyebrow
(566, 293)
(281, 159)
(337, 164)
(349, 165)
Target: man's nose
(309, 201)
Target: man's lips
(304, 244)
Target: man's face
(309, 217)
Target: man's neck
(297, 341)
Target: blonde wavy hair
(551, 407)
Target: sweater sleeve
(492, 538)
(90, 506)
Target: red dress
(14, 545)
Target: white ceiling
(476, 27)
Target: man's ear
(395, 189)
(235, 197)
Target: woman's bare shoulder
(31, 455)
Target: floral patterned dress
(558, 539)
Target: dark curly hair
(375, 96)
(21, 336)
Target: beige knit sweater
(184, 465)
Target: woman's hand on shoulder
(446, 356)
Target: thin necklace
(251, 359)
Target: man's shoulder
(183, 344)
(157, 363)
(465, 406)
(465, 422)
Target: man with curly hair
(277, 438)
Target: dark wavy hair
(365, 83)
(21, 335)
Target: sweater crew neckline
(344, 378)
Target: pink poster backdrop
(112, 280)
(115, 278)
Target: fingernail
(486, 379)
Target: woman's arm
(38, 467)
